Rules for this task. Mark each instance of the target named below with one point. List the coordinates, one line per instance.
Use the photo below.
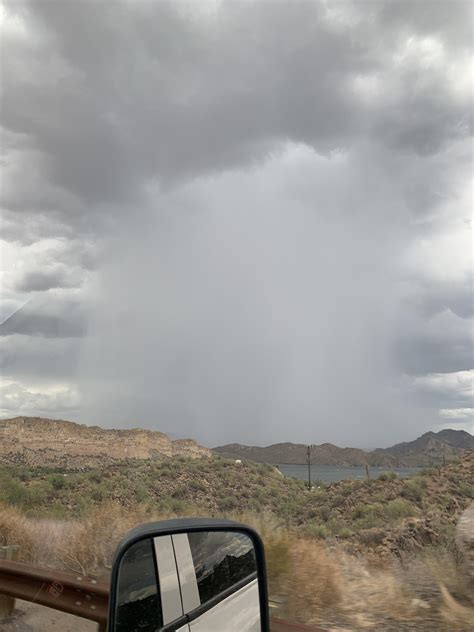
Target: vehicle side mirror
(189, 575)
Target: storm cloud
(240, 221)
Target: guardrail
(82, 596)
(75, 594)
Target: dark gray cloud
(185, 96)
(265, 309)
(40, 280)
(49, 315)
(39, 359)
(246, 210)
(433, 297)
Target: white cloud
(457, 413)
(458, 383)
(53, 400)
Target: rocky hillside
(38, 441)
(381, 517)
(389, 515)
(430, 449)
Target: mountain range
(52, 442)
(429, 449)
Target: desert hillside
(430, 449)
(54, 442)
(378, 554)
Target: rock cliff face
(39, 441)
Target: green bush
(324, 513)
(97, 495)
(180, 492)
(229, 503)
(141, 493)
(317, 531)
(95, 477)
(414, 489)
(345, 532)
(428, 471)
(466, 489)
(337, 500)
(400, 508)
(368, 516)
(387, 476)
(57, 481)
(13, 492)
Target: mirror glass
(194, 582)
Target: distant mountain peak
(431, 447)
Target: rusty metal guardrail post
(7, 603)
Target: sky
(238, 221)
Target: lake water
(328, 473)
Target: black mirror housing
(189, 575)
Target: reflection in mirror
(196, 582)
(138, 599)
(221, 559)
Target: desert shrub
(347, 490)
(454, 477)
(228, 503)
(362, 511)
(197, 486)
(345, 532)
(387, 476)
(368, 516)
(337, 499)
(180, 492)
(95, 477)
(324, 513)
(318, 531)
(97, 494)
(15, 529)
(12, 492)
(87, 547)
(428, 471)
(372, 537)
(312, 513)
(141, 493)
(178, 507)
(400, 508)
(57, 481)
(334, 525)
(414, 489)
(465, 489)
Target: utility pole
(308, 458)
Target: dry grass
(313, 584)
(88, 546)
(16, 529)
